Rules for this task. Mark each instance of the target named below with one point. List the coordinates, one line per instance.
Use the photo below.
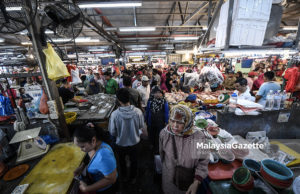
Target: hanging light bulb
(195, 50)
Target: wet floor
(148, 182)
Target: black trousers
(132, 152)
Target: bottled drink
(270, 100)
(283, 98)
(277, 100)
(233, 102)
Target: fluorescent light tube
(96, 50)
(49, 32)
(8, 53)
(26, 43)
(109, 5)
(80, 39)
(186, 38)
(139, 49)
(13, 8)
(290, 28)
(169, 48)
(135, 29)
(62, 40)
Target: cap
(145, 78)
(139, 73)
(252, 73)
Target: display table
(266, 121)
(54, 172)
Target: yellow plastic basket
(70, 117)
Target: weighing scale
(31, 146)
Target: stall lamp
(1, 40)
(13, 8)
(139, 49)
(186, 38)
(195, 50)
(109, 5)
(136, 29)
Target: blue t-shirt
(102, 164)
(265, 89)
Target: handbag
(183, 176)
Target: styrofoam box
(243, 32)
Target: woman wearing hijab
(93, 87)
(184, 165)
(157, 116)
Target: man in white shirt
(144, 91)
(242, 90)
(137, 82)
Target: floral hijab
(183, 114)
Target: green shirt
(111, 86)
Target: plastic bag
(75, 76)
(56, 69)
(44, 109)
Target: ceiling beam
(200, 8)
(186, 8)
(218, 8)
(180, 10)
(168, 18)
(101, 31)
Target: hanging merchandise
(70, 68)
(44, 109)
(292, 75)
(212, 75)
(5, 106)
(75, 76)
(56, 69)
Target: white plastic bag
(249, 104)
(75, 76)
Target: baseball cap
(145, 78)
(139, 73)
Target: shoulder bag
(183, 176)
